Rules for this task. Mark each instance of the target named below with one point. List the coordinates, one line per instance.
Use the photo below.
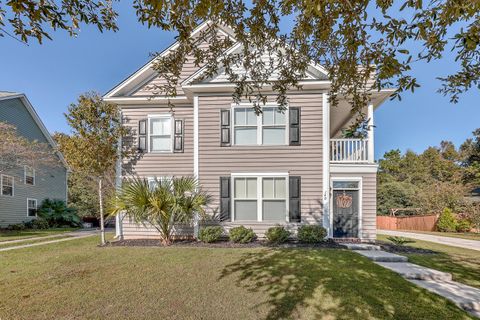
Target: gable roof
(146, 73)
(126, 90)
(6, 95)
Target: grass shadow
(333, 284)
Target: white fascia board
(146, 100)
(353, 168)
(229, 87)
(146, 68)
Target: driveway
(449, 241)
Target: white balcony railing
(349, 150)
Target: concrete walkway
(449, 241)
(57, 235)
(465, 297)
(72, 236)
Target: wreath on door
(344, 200)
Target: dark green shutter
(294, 187)
(294, 126)
(225, 139)
(178, 136)
(142, 135)
(225, 201)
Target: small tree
(17, 151)
(447, 221)
(167, 204)
(92, 148)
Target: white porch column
(118, 184)
(370, 137)
(195, 137)
(326, 164)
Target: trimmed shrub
(277, 234)
(38, 224)
(17, 227)
(447, 221)
(210, 234)
(241, 235)
(463, 225)
(311, 234)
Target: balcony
(351, 151)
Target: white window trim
(259, 177)
(1, 185)
(158, 178)
(160, 116)
(25, 176)
(259, 125)
(360, 200)
(28, 208)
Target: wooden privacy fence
(420, 223)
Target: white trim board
(353, 168)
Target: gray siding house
(288, 168)
(23, 189)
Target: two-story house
(286, 168)
(22, 189)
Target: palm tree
(164, 204)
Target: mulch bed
(389, 247)
(222, 244)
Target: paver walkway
(449, 241)
(466, 297)
(73, 236)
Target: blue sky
(55, 73)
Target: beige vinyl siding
(369, 202)
(305, 160)
(159, 164)
(188, 69)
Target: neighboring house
(287, 168)
(23, 189)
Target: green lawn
(6, 235)
(463, 264)
(78, 280)
(462, 235)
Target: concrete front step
(466, 297)
(361, 246)
(416, 272)
(381, 256)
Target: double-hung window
(160, 134)
(245, 199)
(261, 198)
(273, 126)
(32, 207)
(274, 199)
(268, 128)
(29, 174)
(6, 183)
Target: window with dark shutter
(142, 136)
(178, 136)
(225, 139)
(295, 195)
(294, 123)
(225, 196)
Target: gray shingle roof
(8, 93)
